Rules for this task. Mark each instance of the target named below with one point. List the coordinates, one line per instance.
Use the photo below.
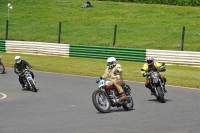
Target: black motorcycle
(107, 95)
(2, 68)
(157, 84)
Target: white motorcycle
(107, 95)
(29, 83)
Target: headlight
(154, 75)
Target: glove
(144, 74)
(116, 71)
(163, 69)
(21, 75)
(100, 77)
(97, 81)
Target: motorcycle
(2, 68)
(28, 80)
(107, 96)
(157, 84)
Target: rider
(149, 66)
(19, 66)
(114, 72)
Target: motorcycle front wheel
(101, 101)
(128, 104)
(33, 86)
(2, 68)
(160, 96)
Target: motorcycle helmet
(150, 60)
(111, 62)
(17, 59)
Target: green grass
(176, 75)
(138, 25)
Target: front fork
(161, 86)
(27, 83)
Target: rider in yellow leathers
(149, 66)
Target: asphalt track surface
(63, 104)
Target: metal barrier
(102, 52)
(175, 57)
(2, 46)
(39, 48)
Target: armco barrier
(40, 48)
(102, 52)
(175, 57)
(2, 46)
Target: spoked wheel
(2, 69)
(33, 86)
(128, 104)
(160, 95)
(101, 101)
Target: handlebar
(24, 71)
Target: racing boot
(164, 89)
(23, 87)
(164, 81)
(123, 96)
(152, 91)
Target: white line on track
(3, 96)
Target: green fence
(2, 46)
(101, 52)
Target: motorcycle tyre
(160, 95)
(128, 108)
(33, 86)
(96, 105)
(3, 69)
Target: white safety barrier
(42, 48)
(39, 48)
(175, 57)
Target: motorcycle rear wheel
(2, 69)
(160, 95)
(101, 101)
(128, 105)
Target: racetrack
(63, 104)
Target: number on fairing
(28, 76)
(101, 83)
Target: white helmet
(111, 62)
(17, 59)
(150, 60)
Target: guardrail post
(6, 30)
(183, 35)
(114, 40)
(59, 32)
